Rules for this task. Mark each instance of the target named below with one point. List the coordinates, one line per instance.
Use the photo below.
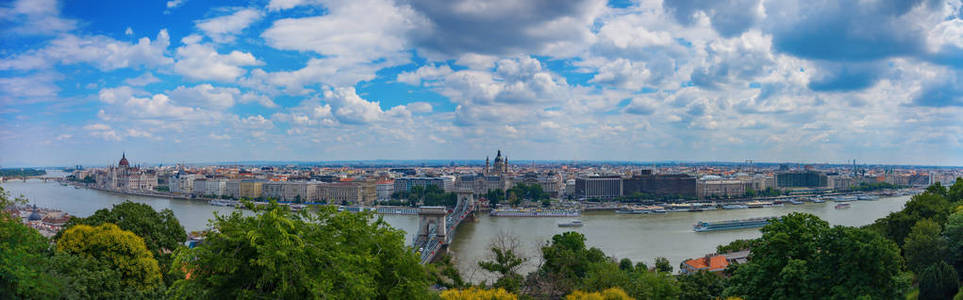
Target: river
(637, 237)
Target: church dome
(123, 161)
(35, 216)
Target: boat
(221, 202)
(758, 204)
(818, 199)
(731, 224)
(844, 198)
(795, 202)
(572, 223)
(842, 205)
(735, 206)
(867, 197)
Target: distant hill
(21, 172)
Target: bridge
(436, 228)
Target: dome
(35, 216)
(123, 161)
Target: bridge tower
(432, 217)
(467, 198)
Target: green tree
(119, 249)
(735, 246)
(700, 286)
(938, 281)
(445, 274)
(924, 246)
(954, 239)
(800, 257)
(928, 205)
(317, 253)
(565, 261)
(161, 231)
(955, 193)
(505, 260)
(662, 264)
(23, 253)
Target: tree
(505, 260)
(954, 239)
(928, 205)
(318, 253)
(608, 294)
(161, 231)
(924, 246)
(121, 250)
(477, 293)
(735, 246)
(955, 193)
(700, 286)
(23, 253)
(800, 257)
(444, 273)
(662, 264)
(938, 281)
(565, 261)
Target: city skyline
(646, 81)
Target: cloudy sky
(184, 81)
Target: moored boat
(842, 205)
(735, 206)
(572, 223)
(731, 224)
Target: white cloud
(202, 62)
(357, 30)
(206, 96)
(350, 108)
(36, 17)
(223, 29)
(175, 3)
(103, 52)
(142, 80)
(419, 107)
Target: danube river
(637, 237)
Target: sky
(810, 81)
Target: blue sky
(184, 81)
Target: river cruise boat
(572, 223)
(735, 206)
(221, 202)
(865, 197)
(818, 199)
(842, 205)
(529, 212)
(795, 202)
(758, 204)
(731, 224)
(844, 198)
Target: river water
(637, 237)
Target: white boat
(795, 202)
(867, 197)
(572, 223)
(735, 206)
(844, 198)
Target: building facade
(602, 187)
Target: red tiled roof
(711, 263)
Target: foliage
(638, 282)
(444, 273)
(322, 253)
(662, 265)
(566, 260)
(924, 246)
(494, 197)
(953, 232)
(737, 245)
(119, 249)
(700, 285)
(768, 192)
(928, 205)
(608, 294)
(505, 261)
(23, 253)
(800, 257)
(83, 277)
(161, 231)
(938, 281)
(427, 195)
(19, 172)
(478, 294)
(955, 193)
(528, 192)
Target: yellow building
(250, 189)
